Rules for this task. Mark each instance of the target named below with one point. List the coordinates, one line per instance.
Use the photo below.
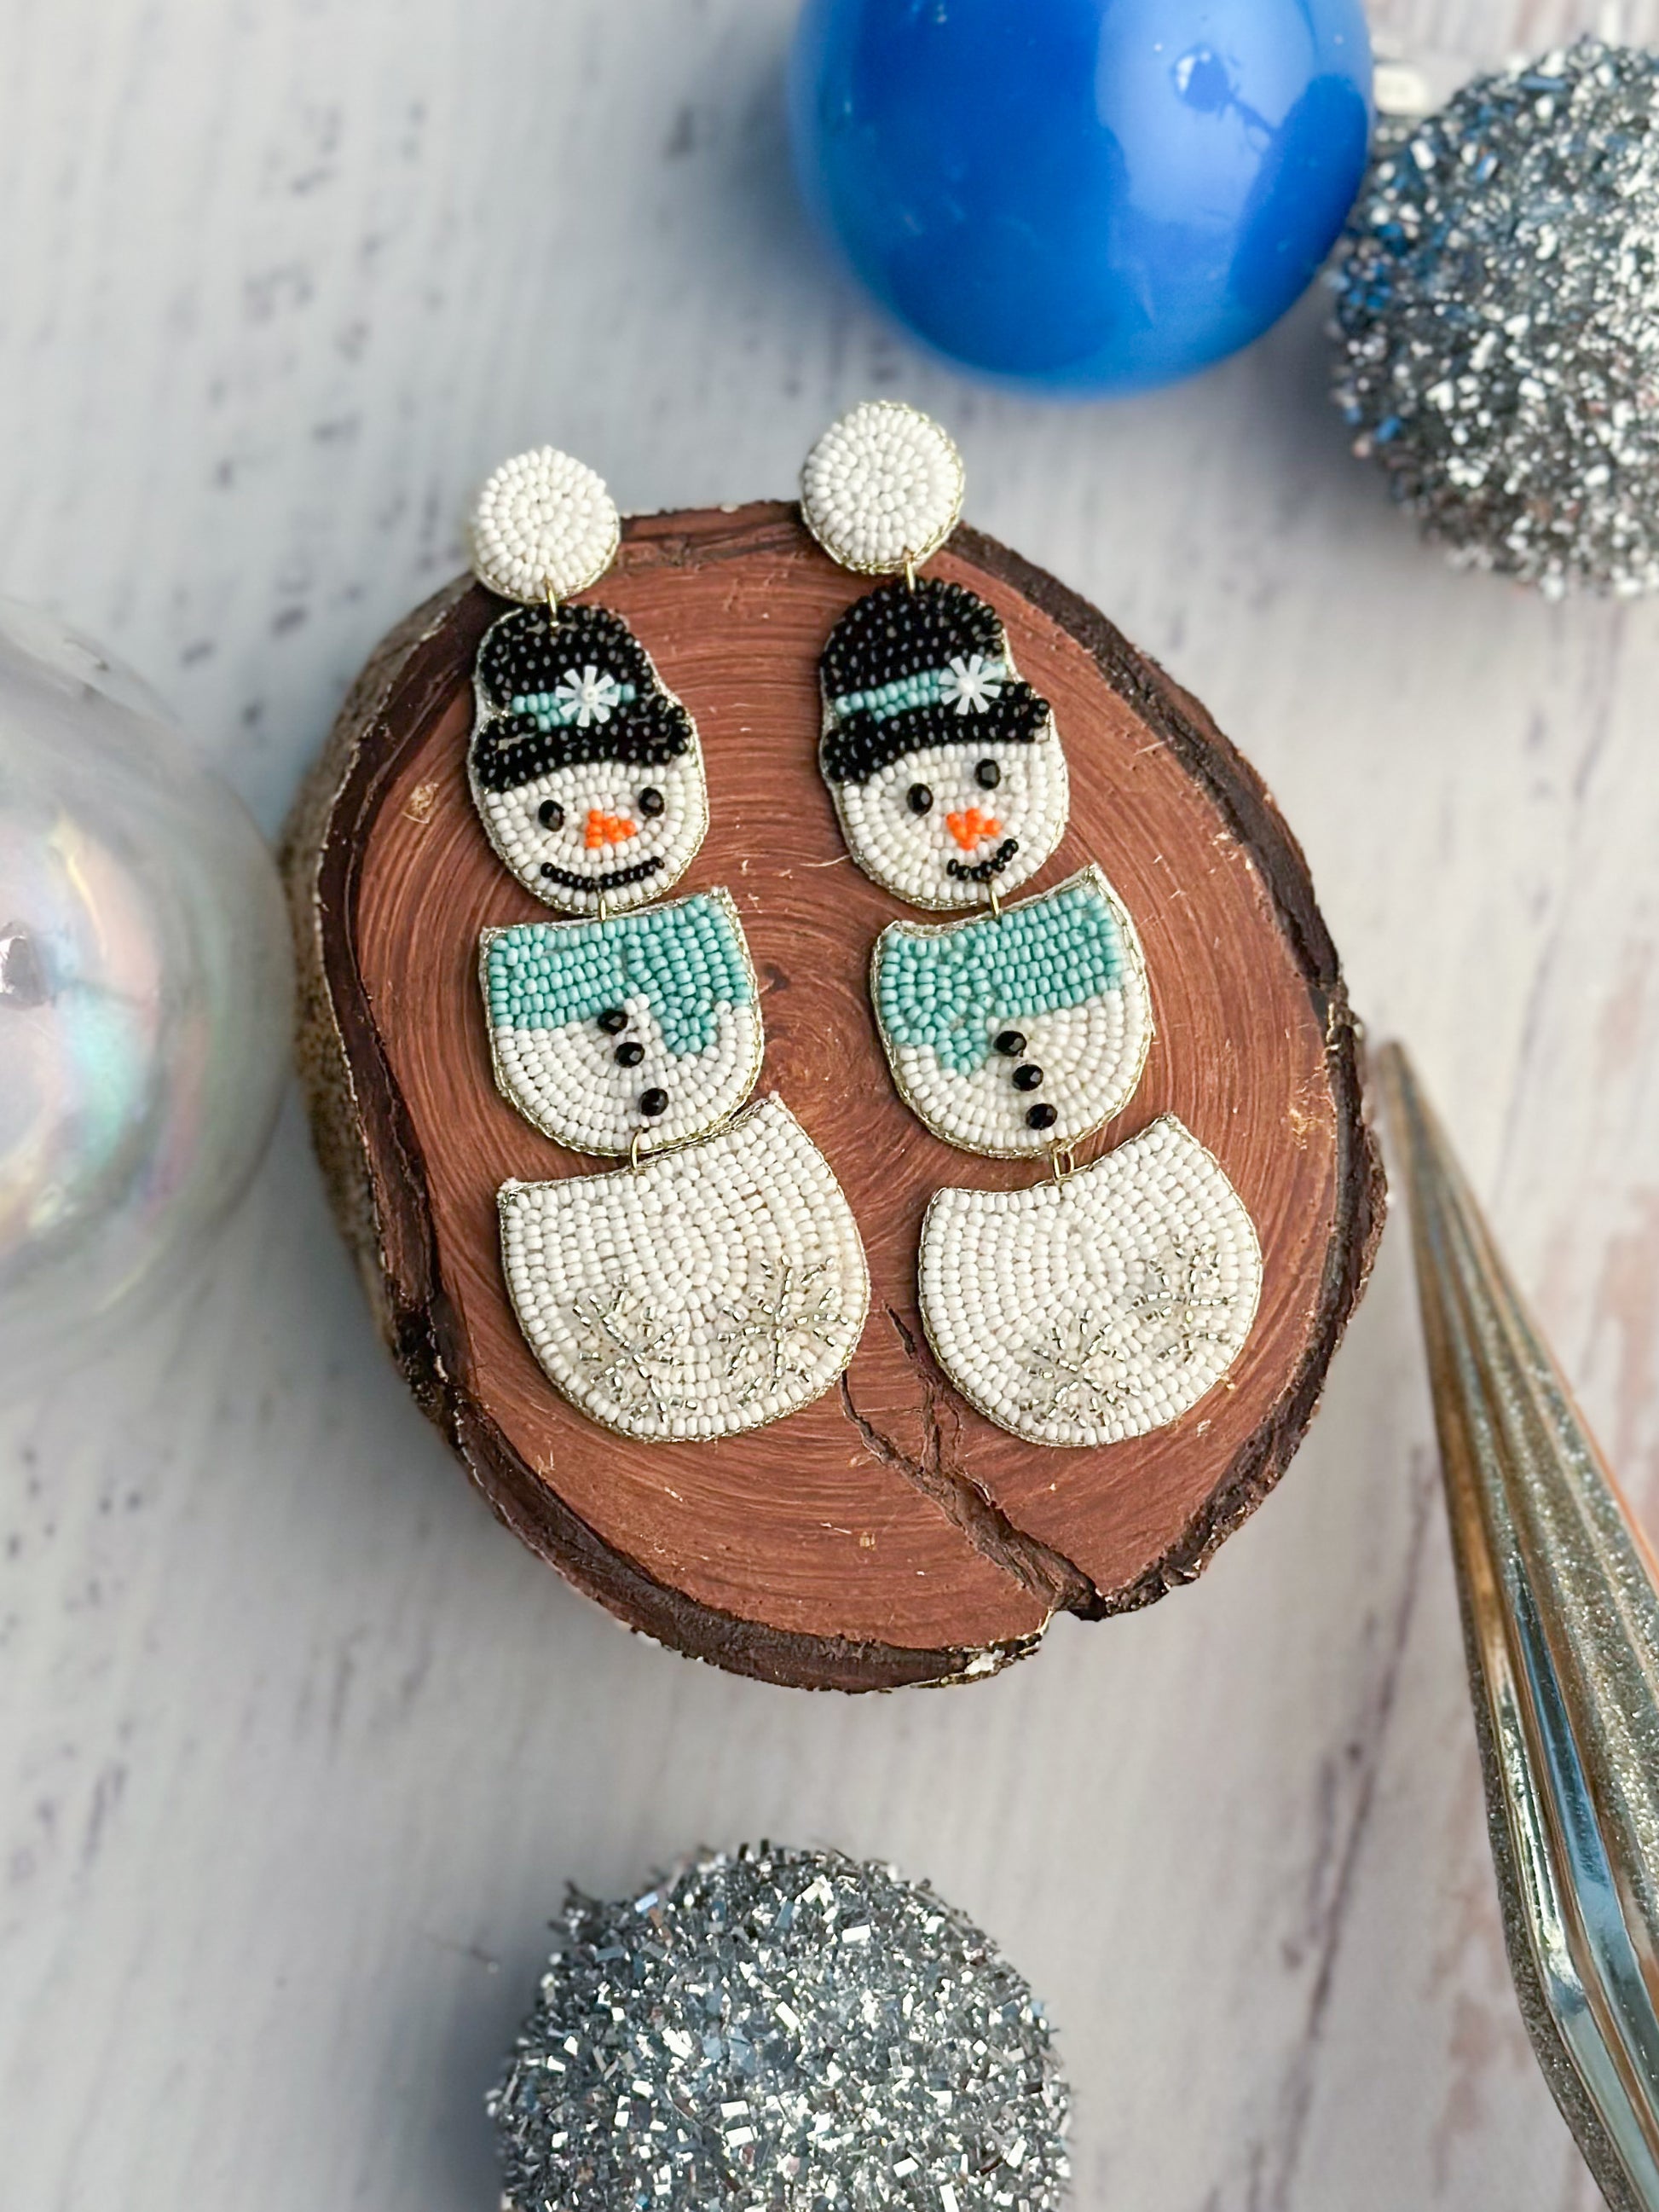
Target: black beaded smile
(980, 872)
(901, 630)
(531, 652)
(613, 881)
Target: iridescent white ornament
(144, 993)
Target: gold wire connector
(996, 903)
(1062, 1161)
(634, 1151)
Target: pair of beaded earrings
(720, 1282)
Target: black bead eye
(919, 799)
(987, 776)
(652, 800)
(551, 814)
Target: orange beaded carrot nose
(608, 829)
(971, 828)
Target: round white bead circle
(882, 487)
(544, 526)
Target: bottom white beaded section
(1096, 1309)
(718, 1287)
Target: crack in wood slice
(1036, 1566)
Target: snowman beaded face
(585, 769)
(944, 764)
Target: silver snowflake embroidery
(588, 697)
(1087, 1366)
(773, 1332)
(628, 1349)
(969, 685)
(1080, 1368)
(1181, 1302)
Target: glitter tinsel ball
(781, 2031)
(1498, 311)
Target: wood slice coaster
(888, 1534)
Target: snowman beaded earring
(1103, 1302)
(931, 743)
(718, 1283)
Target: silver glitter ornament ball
(1498, 312)
(781, 2031)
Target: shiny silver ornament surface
(794, 2030)
(1497, 320)
(145, 995)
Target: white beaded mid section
(1090, 1057)
(1044, 1007)
(910, 853)
(722, 1286)
(601, 835)
(567, 1080)
(544, 526)
(882, 486)
(1100, 1308)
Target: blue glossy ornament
(1082, 195)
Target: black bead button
(653, 1102)
(1027, 1077)
(1011, 1043)
(1041, 1117)
(987, 776)
(629, 1054)
(613, 1021)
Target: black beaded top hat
(910, 665)
(556, 690)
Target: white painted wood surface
(299, 1749)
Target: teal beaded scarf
(953, 989)
(685, 960)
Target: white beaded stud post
(544, 526)
(882, 489)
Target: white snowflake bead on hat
(544, 526)
(882, 489)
